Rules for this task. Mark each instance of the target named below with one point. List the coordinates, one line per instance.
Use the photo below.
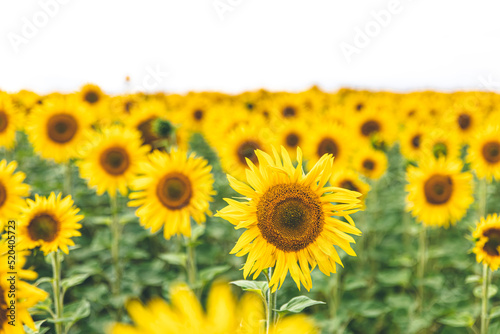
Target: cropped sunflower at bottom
(487, 236)
(289, 218)
(224, 315)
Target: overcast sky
(238, 45)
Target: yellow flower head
(12, 191)
(487, 236)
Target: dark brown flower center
(3, 194)
(491, 152)
(349, 185)
(415, 141)
(369, 164)
(359, 106)
(247, 150)
(290, 216)
(292, 140)
(370, 127)
(4, 121)
(92, 97)
(61, 128)
(491, 246)
(43, 227)
(128, 106)
(438, 189)
(115, 160)
(464, 121)
(198, 114)
(146, 129)
(327, 146)
(174, 191)
(289, 111)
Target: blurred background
(238, 45)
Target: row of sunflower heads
(224, 314)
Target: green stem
(421, 268)
(56, 287)
(482, 193)
(115, 246)
(484, 304)
(67, 179)
(191, 263)
(271, 302)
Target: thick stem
(482, 194)
(115, 246)
(67, 178)
(421, 268)
(271, 303)
(484, 301)
(191, 263)
(56, 287)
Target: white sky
(277, 44)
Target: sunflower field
(264, 212)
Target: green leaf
(208, 274)
(39, 329)
(259, 287)
(174, 258)
(297, 304)
(472, 279)
(494, 312)
(197, 232)
(77, 311)
(399, 277)
(492, 290)
(463, 319)
(73, 280)
(43, 280)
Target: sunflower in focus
(224, 314)
(370, 163)
(327, 138)
(487, 237)
(349, 179)
(26, 295)
(9, 121)
(172, 188)
(484, 153)
(289, 218)
(239, 145)
(49, 222)
(438, 192)
(12, 191)
(58, 128)
(111, 161)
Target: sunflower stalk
(484, 299)
(271, 302)
(191, 263)
(421, 268)
(115, 244)
(67, 185)
(56, 287)
(482, 193)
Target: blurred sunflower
(92, 96)
(292, 134)
(239, 145)
(441, 143)
(58, 128)
(193, 113)
(370, 163)
(465, 121)
(26, 295)
(327, 138)
(224, 314)
(438, 192)
(289, 218)
(484, 153)
(12, 191)
(487, 237)
(49, 223)
(375, 125)
(287, 106)
(111, 161)
(349, 179)
(411, 140)
(172, 188)
(9, 121)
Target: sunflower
(12, 191)
(438, 192)
(9, 121)
(374, 125)
(327, 138)
(92, 96)
(465, 121)
(50, 223)
(411, 140)
(441, 143)
(26, 295)
(287, 106)
(487, 237)
(239, 145)
(58, 128)
(291, 134)
(172, 188)
(484, 153)
(111, 161)
(224, 314)
(289, 217)
(370, 163)
(349, 179)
